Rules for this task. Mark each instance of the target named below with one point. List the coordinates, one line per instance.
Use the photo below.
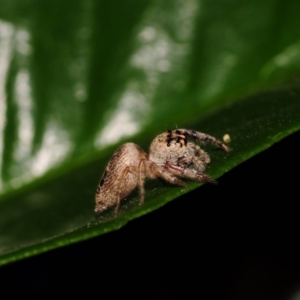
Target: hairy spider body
(171, 156)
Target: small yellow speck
(226, 138)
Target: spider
(171, 156)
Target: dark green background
(80, 77)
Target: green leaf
(79, 78)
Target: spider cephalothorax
(171, 156)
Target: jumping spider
(171, 156)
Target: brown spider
(171, 156)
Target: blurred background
(77, 78)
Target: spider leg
(197, 176)
(120, 187)
(203, 156)
(199, 164)
(193, 174)
(141, 179)
(198, 158)
(203, 137)
(164, 173)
